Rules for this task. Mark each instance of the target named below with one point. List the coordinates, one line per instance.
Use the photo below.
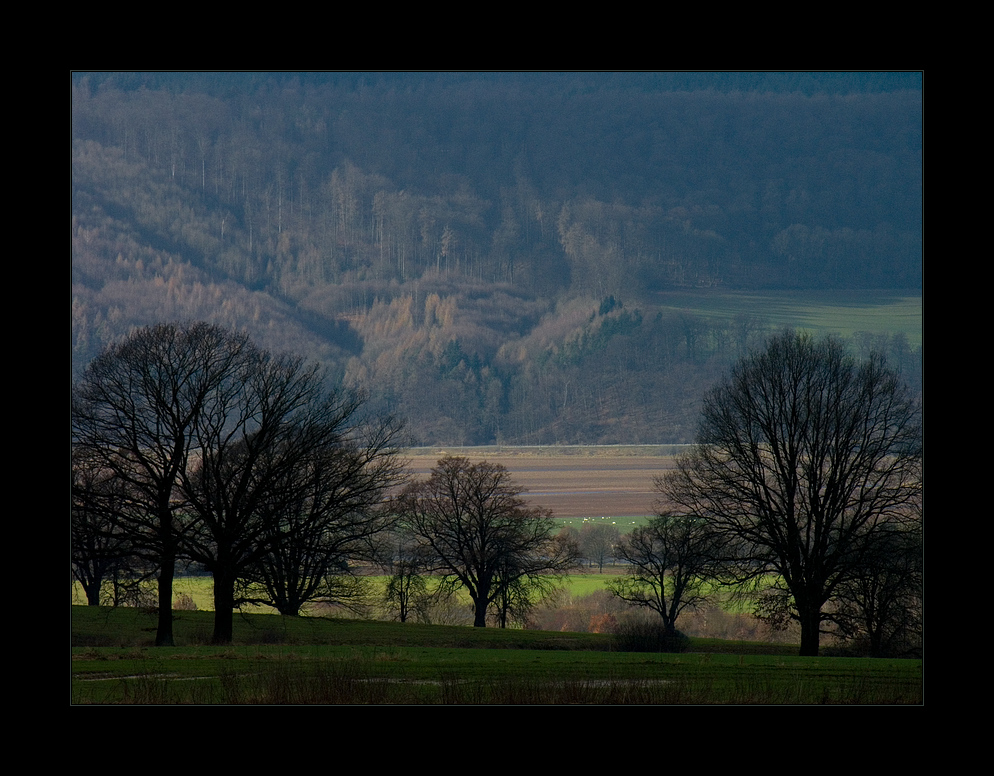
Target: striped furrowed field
(576, 483)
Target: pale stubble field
(573, 486)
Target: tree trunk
(480, 611)
(92, 591)
(876, 641)
(164, 630)
(810, 617)
(224, 607)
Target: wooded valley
(489, 255)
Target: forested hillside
(486, 254)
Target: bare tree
(478, 532)
(598, 542)
(277, 477)
(880, 606)
(135, 411)
(671, 562)
(328, 513)
(407, 565)
(806, 461)
(199, 446)
(100, 549)
(524, 580)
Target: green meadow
(199, 589)
(623, 524)
(821, 312)
(317, 660)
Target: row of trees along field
(190, 444)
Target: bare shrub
(129, 591)
(712, 622)
(648, 635)
(591, 613)
(601, 612)
(603, 623)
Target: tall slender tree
(100, 549)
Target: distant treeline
(232, 83)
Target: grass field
(200, 589)
(315, 660)
(821, 312)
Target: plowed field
(576, 486)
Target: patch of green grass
(200, 589)
(128, 628)
(448, 675)
(580, 585)
(821, 312)
(316, 660)
(625, 525)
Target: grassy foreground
(316, 660)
